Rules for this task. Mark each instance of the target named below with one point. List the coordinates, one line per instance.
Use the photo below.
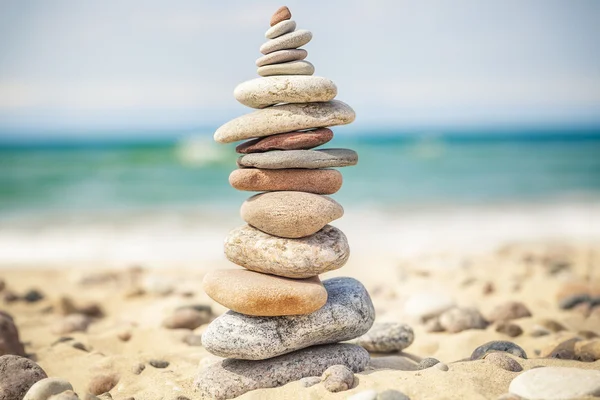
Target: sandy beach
(526, 255)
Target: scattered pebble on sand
(337, 378)
(509, 328)
(556, 383)
(498, 346)
(9, 337)
(503, 361)
(17, 376)
(509, 311)
(428, 362)
(460, 319)
(387, 337)
(47, 387)
(159, 363)
(185, 318)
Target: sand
(136, 300)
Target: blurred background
(477, 123)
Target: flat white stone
(556, 383)
(288, 68)
(264, 92)
(282, 56)
(281, 28)
(285, 118)
(291, 40)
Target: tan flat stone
(318, 181)
(282, 56)
(290, 214)
(291, 40)
(285, 118)
(289, 68)
(253, 293)
(263, 92)
(281, 28)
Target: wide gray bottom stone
(231, 378)
(348, 314)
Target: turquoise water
(393, 170)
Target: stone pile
(284, 324)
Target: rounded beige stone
(253, 293)
(291, 40)
(281, 28)
(282, 56)
(285, 118)
(289, 68)
(263, 92)
(290, 214)
(318, 181)
(252, 249)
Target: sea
(394, 170)
(162, 199)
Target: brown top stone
(318, 181)
(281, 14)
(299, 140)
(253, 293)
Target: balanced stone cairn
(284, 324)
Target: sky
(75, 66)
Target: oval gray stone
(231, 378)
(554, 383)
(290, 214)
(282, 56)
(387, 337)
(263, 92)
(347, 314)
(289, 68)
(498, 346)
(285, 118)
(280, 28)
(291, 40)
(252, 249)
(306, 159)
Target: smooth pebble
(324, 251)
(301, 68)
(317, 181)
(253, 293)
(291, 40)
(337, 378)
(556, 383)
(284, 118)
(282, 56)
(290, 214)
(280, 28)
(264, 92)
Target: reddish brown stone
(300, 140)
(281, 14)
(318, 181)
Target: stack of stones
(284, 324)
